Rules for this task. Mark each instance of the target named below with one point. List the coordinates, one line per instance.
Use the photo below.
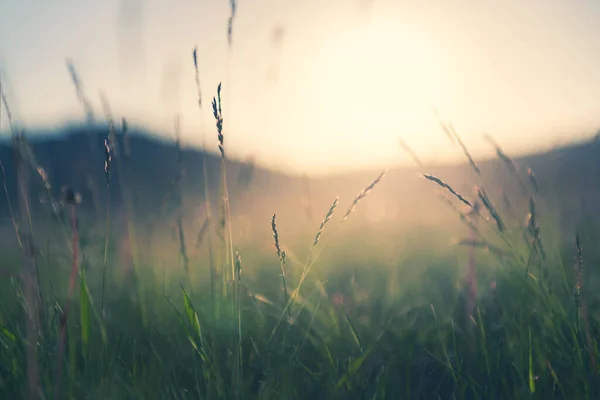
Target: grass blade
(531, 376)
(84, 302)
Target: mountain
(74, 157)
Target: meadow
(104, 305)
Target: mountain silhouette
(74, 157)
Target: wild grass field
(108, 299)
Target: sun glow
(377, 82)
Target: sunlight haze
(316, 86)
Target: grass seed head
(410, 152)
(362, 195)
(238, 266)
(112, 135)
(578, 269)
(443, 126)
(327, 218)
(465, 150)
(195, 56)
(233, 10)
(89, 112)
(126, 146)
(218, 114)
(533, 180)
(44, 177)
(276, 239)
(485, 200)
(447, 187)
(107, 160)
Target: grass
(217, 326)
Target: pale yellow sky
(317, 85)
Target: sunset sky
(316, 85)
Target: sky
(315, 86)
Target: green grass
(351, 335)
(347, 326)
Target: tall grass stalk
(179, 194)
(509, 164)
(239, 367)
(281, 257)
(107, 173)
(232, 13)
(70, 200)
(32, 296)
(465, 150)
(580, 304)
(2, 170)
(210, 225)
(30, 273)
(9, 203)
(126, 188)
(410, 152)
(229, 258)
(362, 195)
(312, 257)
(207, 202)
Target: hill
(74, 157)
